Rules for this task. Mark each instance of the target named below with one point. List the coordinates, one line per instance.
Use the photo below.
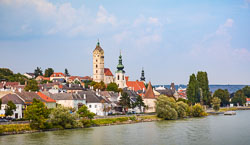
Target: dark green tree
(202, 81)
(37, 113)
(9, 110)
(32, 85)
(139, 102)
(38, 72)
(223, 95)
(48, 72)
(193, 90)
(125, 102)
(239, 98)
(66, 72)
(246, 91)
(85, 113)
(112, 87)
(100, 86)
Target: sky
(169, 39)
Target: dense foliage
(85, 113)
(246, 91)
(216, 103)
(9, 110)
(98, 86)
(38, 72)
(48, 72)
(198, 111)
(37, 113)
(139, 103)
(32, 85)
(8, 75)
(223, 95)
(66, 72)
(239, 98)
(182, 109)
(125, 102)
(112, 87)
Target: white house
(18, 113)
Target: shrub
(132, 118)
(197, 111)
(182, 109)
(86, 122)
(216, 103)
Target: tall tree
(125, 102)
(37, 113)
(216, 103)
(139, 102)
(38, 72)
(193, 90)
(9, 110)
(246, 91)
(202, 80)
(32, 85)
(112, 87)
(66, 72)
(223, 95)
(48, 72)
(239, 98)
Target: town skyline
(64, 34)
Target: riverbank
(225, 109)
(12, 129)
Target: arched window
(122, 77)
(96, 66)
(118, 77)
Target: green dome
(120, 66)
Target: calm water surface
(211, 130)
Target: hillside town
(101, 92)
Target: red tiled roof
(73, 78)
(107, 72)
(43, 78)
(86, 78)
(248, 99)
(136, 85)
(46, 98)
(12, 84)
(59, 74)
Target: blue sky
(170, 39)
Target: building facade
(98, 63)
(120, 74)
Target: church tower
(120, 74)
(142, 76)
(98, 63)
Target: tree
(166, 107)
(32, 85)
(182, 109)
(61, 116)
(216, 103)
(139, 102)
(246, 91)
(192, 90)
(239, 98)
(37, 113)
(99, 86)
(202, 82)
(112, 87)
(197, 110)
(66, 72)
(125, 102)
(38, 72)
(48, 72)
(223, 95)
(85, 113)
(9, 110)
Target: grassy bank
(14, 128)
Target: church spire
(120, 66)
(142, 75)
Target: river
(211, 130)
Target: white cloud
(223, 28)
(154, 21)
(104, 17)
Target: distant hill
(230, 88)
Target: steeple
(98, 47)
(120, 66)
(142, 75)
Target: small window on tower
(123, 77)
(96, 66)
(118, 77)
(96, 60)
(96, 71)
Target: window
(118, 77)
(123, 77)
(96, 60)
(96, 71)
(95, 106)
(89, 106)
(96, 66)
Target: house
(29, 75)
(113, 98)
(42, 78)
(108, 76)
(18, 113)
(72, 100)
(133, 98)
(96, 103)
(247, 101)
(49, 102)
(57, 75)
(73, 88)
(149, 99)
(8, 86)
(135, 85)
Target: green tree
(125, 102)
(246, 91)
(61, 116)
(193, 90)
(112, 87)
(85, 113)
(48, 72)
(223, 95)
(198, 111)
(202, 82)
(166, 107)
(182, 109)
(239, 98)
(66, 72)
(38, 72)
(216, 103)
(139, 102)
(9, 110)
(32, 85)
(100, 86)
(37, 113)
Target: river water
(211, 130)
